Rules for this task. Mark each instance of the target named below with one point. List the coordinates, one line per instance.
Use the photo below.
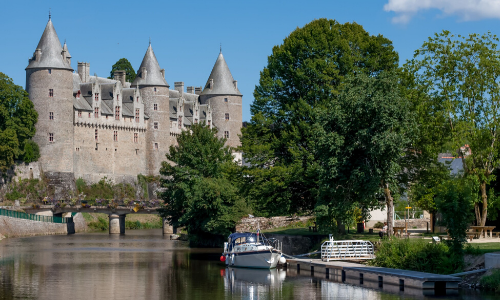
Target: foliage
(31, 151)
(417, 255)
(378, 225)
(303, 74)
(362, 142)
(491, 282)
(201, 191)
(33, 190)
(123, 65)
(456, 79)
(17, 122)
(455, 202)
(101, 224)
(105, 189)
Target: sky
(186, 35)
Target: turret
(155, 95)
(49, 82)
(221, 92)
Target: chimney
(197, 90)
(162, 71)
(84, 71)
(120, 75)
(211, 83)
(179, 86)
(190, 89)
(235, 83)
(38, 54)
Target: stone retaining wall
(251, 224)
(14, 227)
(419, 223)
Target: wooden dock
(391, 280)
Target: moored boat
(250, 250)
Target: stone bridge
(116, 215)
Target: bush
(491, 282)
(31, 151)
(417, 255)
(378, 225)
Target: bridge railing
(33, 217)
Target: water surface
(143, 264)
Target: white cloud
(466, 10)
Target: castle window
(96, 96)
(96, 112)
(180, 122)
(51, 116)
(51, 92)
(155, 125)
(96, 135)
(225, 100)
(77, 149)
(137, 115)
(180, 107)
(227, 117)
(135, 137)
(117, 113)
(51, 137)
(137, 99)
(50, 71)
(115, 136)
(155, 106)
(156, 146)
(90, 114)
(79, 114)
(155, 90)
(78, 94)
(226, 134)
(117, 95)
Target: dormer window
(155, 90)
(96, 96)
(78, 94)
(137, 99)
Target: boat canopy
(241, 238)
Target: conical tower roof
(223, 82)
(153, 76)
(65, 48)
(50, 51)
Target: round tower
(221, 92)
(155, 95)
(49, 82)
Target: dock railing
(33, 217)
(338, 250)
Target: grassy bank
(100, 222)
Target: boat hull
(253, 259)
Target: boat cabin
(241, 238)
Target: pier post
(167, 228)
(114, 224)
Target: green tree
(304, 73)
(201, 190)
(124, 65)
(363, 141)
(458, 79)
(17, 122)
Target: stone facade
(93, 127)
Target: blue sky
(186, 35)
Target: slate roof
(223, 80)
(107, 91)
(51, 51)
(203, 111)
(128, 109)
(188, 109)
(173, 93)
(107, 107)
(153, 76)
(173, 108)
(81, 104)
(128, 95)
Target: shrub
(417, 255)
(378, 225)
(491, 282)
(31, 151)
(101, 224)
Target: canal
(143, 264)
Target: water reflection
(145, 265)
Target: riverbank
(15, 227)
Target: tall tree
(363, 141)
(123, 64)
(17, 123)
(303, 73)
(459, 77)
(201, 193)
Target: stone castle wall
(219, 109)
(251, 224)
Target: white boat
(250, 250)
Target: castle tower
(221, 92)
(155, 95)
(49, 82)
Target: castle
(92, 127)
